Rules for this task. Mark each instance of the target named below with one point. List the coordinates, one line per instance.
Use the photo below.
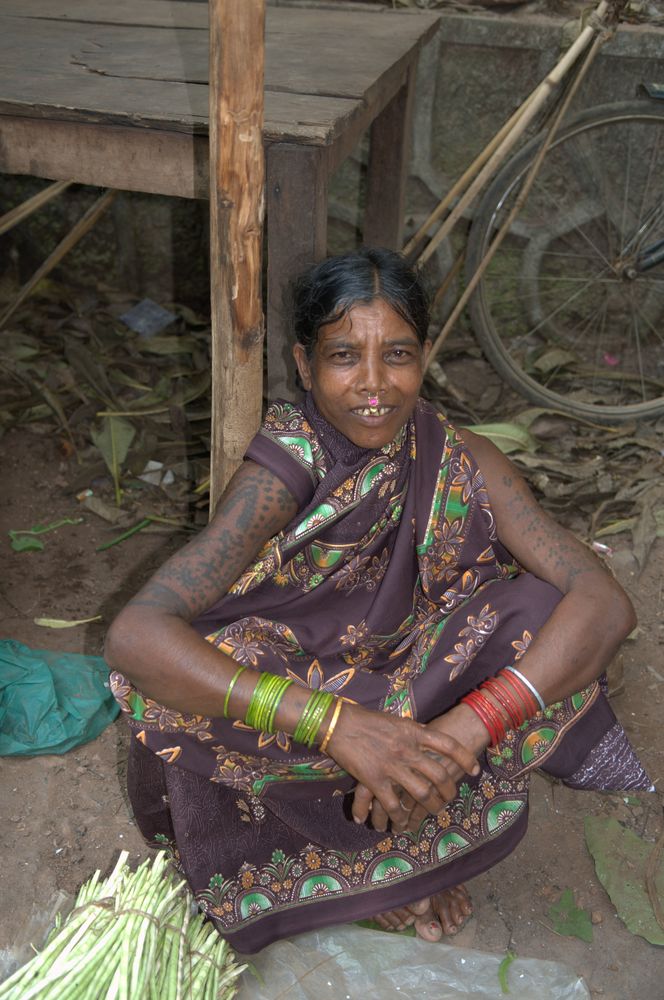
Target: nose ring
(373, 403)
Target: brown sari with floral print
(391, 588)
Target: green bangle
(285, 683)
(265, 700)
(312, 717)
(254, 714)
(229, 690)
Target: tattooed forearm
(158, 595)
(255, 507)
(548, 541)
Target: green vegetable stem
(134, 934)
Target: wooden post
(237, 169)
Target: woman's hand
(397, 762)
(457, 725)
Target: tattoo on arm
(548, 541)
(254, 508)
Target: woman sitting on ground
(337, 691)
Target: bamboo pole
(466, 178)
(519, 201)
(521, 120)
(25, 210)
(237, 176)
(83, 226)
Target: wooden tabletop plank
(61, 59)
(288, 117)
(171, 14)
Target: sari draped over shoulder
(389, 588)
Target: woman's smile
(365, 372)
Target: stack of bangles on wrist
(265, 700)
(516, 696)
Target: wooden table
(114, 93)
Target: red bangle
(488, 714)
(504, 697)
(526, 696)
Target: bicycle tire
(541, 223)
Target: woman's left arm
(582, 634)
(594, 616)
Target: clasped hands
(404, 770)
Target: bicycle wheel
(570, 311)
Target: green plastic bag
(51, 702)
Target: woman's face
(370, 354)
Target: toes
(421, 907)
(452, 908)
(429, 930)
(395, 920)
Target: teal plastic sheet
(51, 702)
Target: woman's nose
(371, 374)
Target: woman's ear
(302, 362)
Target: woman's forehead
(375, 319)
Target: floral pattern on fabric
(404, 585)
(481, 812)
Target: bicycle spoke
(653, 329)
(639, 359)
(651, 173)
(583, 235)
(559, 312)
(623, 221)
(550, 253)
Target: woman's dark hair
(326, 292)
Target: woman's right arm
(151, 641)
(153, 644)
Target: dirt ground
(65, 816)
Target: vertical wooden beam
(297, 180)
(389, 154)
(237, 172)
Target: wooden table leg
(297, 182)
(389, 153)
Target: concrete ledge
(638, 41)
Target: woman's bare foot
(444, 913)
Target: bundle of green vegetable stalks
(133, 936)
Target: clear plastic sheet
(352, 963)
(32, 934)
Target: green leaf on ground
(26, 543)
(503, 970)
(620, 862)
(64, 622)
(373, 925)
(557, 357)
(25, 540)
(569, 919)
(113, 440)
(508, 437)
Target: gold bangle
(330, 729)
(229, 690)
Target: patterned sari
(391, 588)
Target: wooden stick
(534, 104)
(83, 226)
(466, 177)
(25, 210)
(445, 284)
(237, 180)
(518, 203)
